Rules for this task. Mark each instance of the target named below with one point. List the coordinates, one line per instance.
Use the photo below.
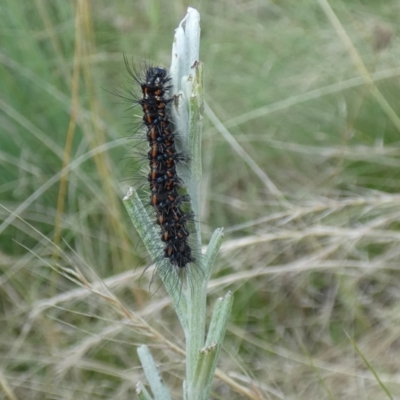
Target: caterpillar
(167, 197)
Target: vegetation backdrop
(301, 165)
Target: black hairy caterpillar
(167, 193)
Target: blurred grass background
(301, 166)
